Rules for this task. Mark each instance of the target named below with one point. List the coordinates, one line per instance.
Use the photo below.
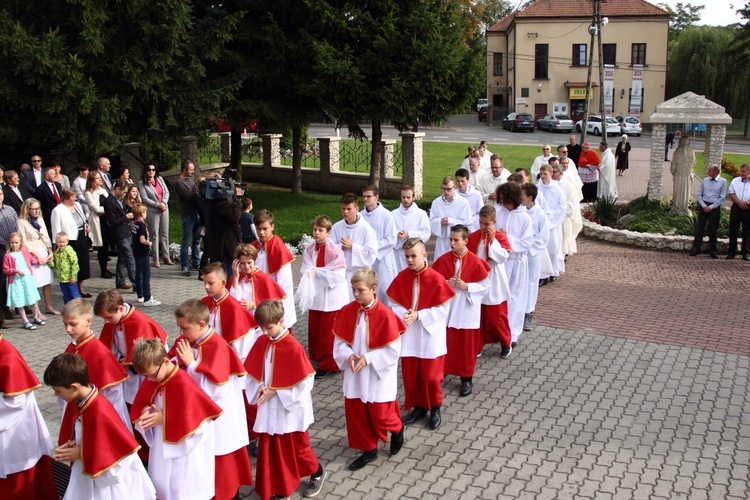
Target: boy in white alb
(537, 250)
(355, 237)
(367, 348)
(445, 212)
(556, 207)
(381, 221)
(411, 222)
(322, 290)
(275, 259)
(468, 192)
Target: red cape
(105, 441)
(292, 367)
(218, 361)
(472, 270)
(264, 287)
(183, 398)
(104, 369)
(277, 254)
(383, 326)
(135, 326)
(477, 236)
(15, 375)
(236, 321)
(432, 288)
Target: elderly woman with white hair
(621, 155)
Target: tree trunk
(235, 148)
(376, 155)
(296, 160)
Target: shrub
(605, 211)
(729, 167)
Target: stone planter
(645, 240)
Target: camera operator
(223, 227)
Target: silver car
(630, 125)
(555, 123)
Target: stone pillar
(130, 158)
(226, 155)
(189, 150)
(271, 154)
(329, 155)
(387, 156)
(714, 150)
(412, 163)
(656, 174)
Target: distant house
(537, 58)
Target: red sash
(383, 326)
(289, 363)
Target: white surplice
(573, 222)
(24, 437)
(537, 253)
(474, 198)
(457, 211)
(555, 207)
(426, 337)
(285, 279)
(607, 187)
(364, 250)
(242, 345)
(465, 309)
(381, 221)
(414, 221)
(537, 165)
(517, 225)
(323, 288)
(489, 184)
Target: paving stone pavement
(613, 395)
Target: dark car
(519, 121)
(482, 113)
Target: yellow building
(537, 58)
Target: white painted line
(441, 137)
(471, 138)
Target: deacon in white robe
(381, 221)
(356, 238)
(555, 207)
(446, 212)
(607, 187)
(411, 222)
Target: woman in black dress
(621, 155)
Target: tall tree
(740, 52)
(392, 61)
(493, 10)
(682, 17)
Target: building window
(541, 57)
(610, 53)
(579, 54)
(524, 92)
(638, 55)
(497, 64)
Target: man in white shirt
(607, 187)
(381, 221)
(411, 222)
(739, 214)
(445, 212)
(355, 237)
(540, 160)
(489, 183)
(471, 195)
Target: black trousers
(589, 191)
(737, 217)
(712, 218)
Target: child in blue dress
(22, 290)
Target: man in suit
(223, 228)
(119, 231)
(103, 165)
(34, 176)
(15, 192)
(48, 194)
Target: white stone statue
(683, 162)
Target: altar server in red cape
(420, 296)
(227, 317)
(367, 347)
(105, 372)
(25, 443)
(217, 369)
(493, 247)
(250, 285)
(275, 259)
(177, 420)
(280, 379)
(103, 452)
(323, 291)
(468, 275)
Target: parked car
(594, 126)
(482, 113)
(519, 121)
(630, 125)
(481, 102)
(555, 123)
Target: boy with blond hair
(65, 263)
(280, 380)
(103, 451)
(275, 259)
(216, 368)
(367, 347)
(322, 289)
(181, 459)
(355, 237)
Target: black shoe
(542, 281)
(415, 415)
(505, 352)
(397, 441)
(731, 256)
(319, 374)
(466, 388)
(435, 419)
(714, 255)
(513, 345)
(364, 459)
(693, 253)
(552, 279)
(746, 257)
(107, 275)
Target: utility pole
(595, 30)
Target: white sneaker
(139, 299)
(152, 302)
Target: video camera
(220, 188)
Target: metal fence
(252, 150)
(209, 151)
(354, 156)
(398, 159)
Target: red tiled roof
(561, 9)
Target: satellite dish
(605, 21)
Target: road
(469, 130)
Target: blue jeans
(189, 222)
(69, 291)
(143, 278)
